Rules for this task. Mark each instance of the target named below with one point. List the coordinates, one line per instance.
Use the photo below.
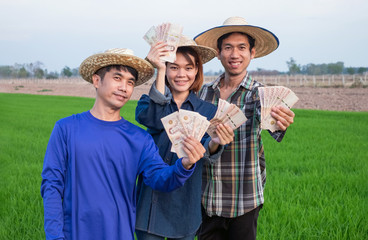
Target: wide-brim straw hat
(205, 53)
(265, 41)
(116, 56)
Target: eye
(227, 48)
(189, 68)
(173, 67)
(131, 82)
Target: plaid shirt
(234, 184)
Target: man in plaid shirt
(233, 186)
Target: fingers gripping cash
(184, 123)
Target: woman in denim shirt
(175, 215)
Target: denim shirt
(178, 213)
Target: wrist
(186, 164)
(213, 146)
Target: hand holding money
(157, 51)
(283, 115)
(168, 33)
(275, 107)
(227, 114)
(182, 124)
(194, 151)
(225, 135)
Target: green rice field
(317, 177)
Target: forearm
(160, 81)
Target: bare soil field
(327, 98)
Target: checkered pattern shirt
(234, 184)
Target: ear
(218, 54)
(96, 80)
(252, 53)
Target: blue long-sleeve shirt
(89, 177)
(178, 213)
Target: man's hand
(195, 151)
(225, 136)
(283, 115)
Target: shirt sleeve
(150, 109)
(158, 97)
(52, 186)
(212, 158)
(159, 175)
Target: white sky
(64, 33)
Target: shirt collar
(247, 83)
(192, 99)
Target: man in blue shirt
(93, 158)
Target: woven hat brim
(205, 53)
(265, 41)
(97, 61)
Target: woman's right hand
(157, 51)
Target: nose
(123, 86)
(234, 53)
(181, 72)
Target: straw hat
(205, 53)
(116, 56)
(265, 41)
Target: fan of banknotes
(169, 33)
(228, 114)
(181, 124)
(274, 96)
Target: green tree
(361, 70)
(52, 75)
(350, 70)
(22, 73)
(39, 73)
(66, 72)
(293, 67)
(6, 71)
(335, 68)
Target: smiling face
(235, 55)
(114, 89)
(181, 74)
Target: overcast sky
(64, 33)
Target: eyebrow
(177, 65)
(241, 44)
(121, 75)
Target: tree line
(323, 69)
(35, 70)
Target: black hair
(102, 71)
(251, 40)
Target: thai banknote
(274, 96)
(228, 114)
(169, 33)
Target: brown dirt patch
(335, 99)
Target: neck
(105, 114)
(179, 98)
(232, 81)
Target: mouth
(181, 82)
(234, 64)
(120, 96)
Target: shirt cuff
(212, 158)
(278, 135)
(158, 97)
(181, 170)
